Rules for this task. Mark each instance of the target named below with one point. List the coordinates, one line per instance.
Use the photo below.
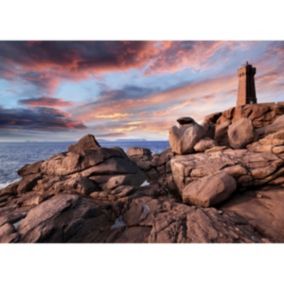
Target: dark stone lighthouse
(246, 90)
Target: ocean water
(14, 155)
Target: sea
(14, 155)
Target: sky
(62, 90)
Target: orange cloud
(174, 100)
(155, 113)
(113, 116)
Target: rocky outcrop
(235, 127)
(163, 220)
(86, 167)
(65, 218)
(156, 167)
(183, 138)
(146, 215)
(91, 200)
(248, 167)
(57, 197)
(262, 116)
(220, 182)
(210, 190)
(252, 161)
(263, 209)
(86, 143)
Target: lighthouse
(246, 90)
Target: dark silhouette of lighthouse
(246, 90)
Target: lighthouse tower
(246, 90)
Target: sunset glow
(113, 89)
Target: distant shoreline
(100, 141)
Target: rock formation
(222, 181)
(183, 138)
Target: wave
(3, 185)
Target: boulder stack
(183, 138)
(245, 159)
(264, 117)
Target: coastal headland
(220, 181)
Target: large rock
(8, 233)
(127, 179)
(101, 160)
(248, 167)
(85, 170)
(221, 133)
(204, 144)
(182, 139)
(240, 133)
(30, 169)
(209, 123)
(66, 218)
(163, 220)
(28, 182)
(209, 191)
(273, 143)
(74, 184)
(30, 226)
(278, 124)
(86, 143)
(185, 120)
(139, 151)
(263, 209)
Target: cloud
(174, 56)
(46, 102)
(74, 55)
(207, 82)
(111, 105)
(44, 63)
(154, 112)
(44, 119)
(116, 115)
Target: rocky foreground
(222, 181)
